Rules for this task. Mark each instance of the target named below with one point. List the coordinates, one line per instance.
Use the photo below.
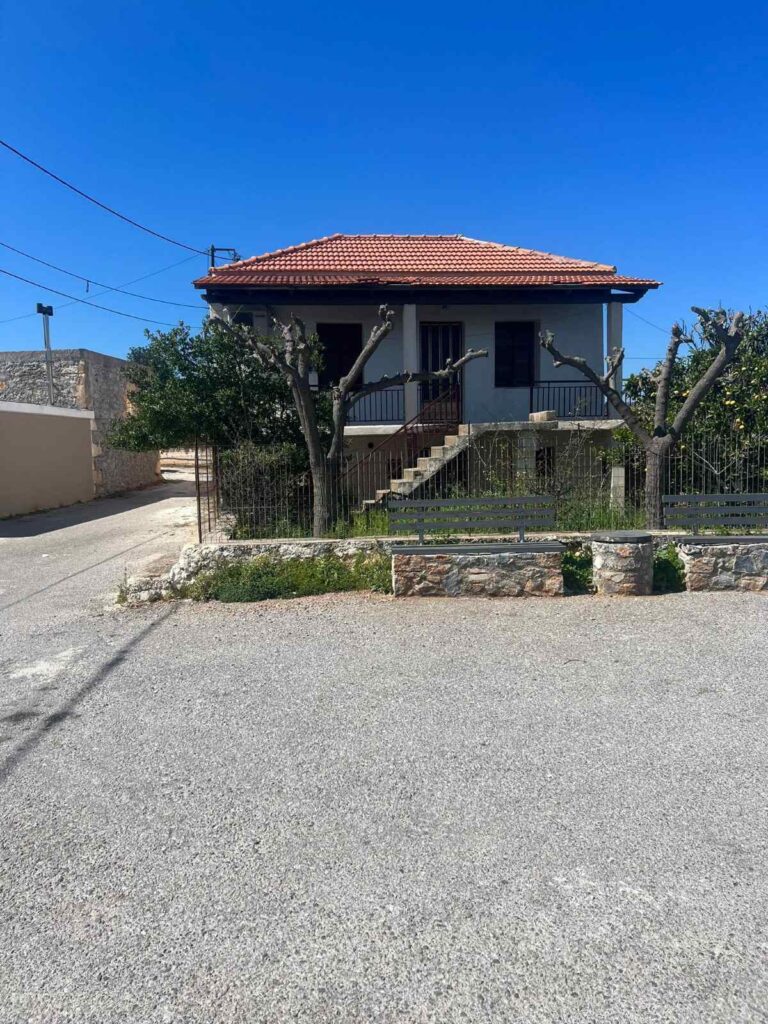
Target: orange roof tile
(416, 260)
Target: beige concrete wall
(45, 458)
(83, 380)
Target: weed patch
(577, 572)
(668, 571)
(267, 577)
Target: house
(450, 293)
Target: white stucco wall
(578, 329)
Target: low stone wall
(618, 568)
(736, 563)
(196, 559)
(499, 574)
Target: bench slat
(459, 524)
(718, 513)
(419, 503)
(695, 499)
(427, 516)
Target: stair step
(411, 474)
(451, 440)
(464, 429)
(438, 452)
(382, 493)
(427, 464)
(399, 486)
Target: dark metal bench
(451, 515)
(699, 512)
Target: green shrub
(267, 577)
(577, 572)
(668, 571)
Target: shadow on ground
(39, 523)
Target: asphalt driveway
(355, 809)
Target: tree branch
(730, 338)
(377, 335)
(662, 391)
(415, 377)
(547, 340)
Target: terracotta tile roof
(416, 260)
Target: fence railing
(249, 492)
(570, 399)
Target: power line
(94, 305)
(638, 317)
(144, 277)
(99, 284)
(91, 199)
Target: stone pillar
(411, 358)
(622, 563)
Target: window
(515, 349)
(342, 344)
(244, 319)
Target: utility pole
(233, 254)
(47, 312)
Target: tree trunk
(321, 498)
(654, 465)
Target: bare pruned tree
(660, 439)
(294, 353)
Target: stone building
(83, 380)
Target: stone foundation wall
(725, 566)
(513, 574)
(83, 380)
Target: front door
(439, 343)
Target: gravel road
(355, 809)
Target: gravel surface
(358, 809)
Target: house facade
(450, 293)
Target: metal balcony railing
(387, 406)
(571, 399)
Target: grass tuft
(268, 577)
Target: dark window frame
(337, 323)
(533, 361)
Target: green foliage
(737, 403)
(668, 571)
(577, 572)
(266, 577)
(207, 385)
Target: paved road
(359, 810)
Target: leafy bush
(668, 571)
(267, 577)
(577, 572)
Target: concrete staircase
(426, 466)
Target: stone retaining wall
(708, 567)
(739, 565)
(502, 574)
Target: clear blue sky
(633, 135)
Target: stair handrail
(401, 430)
